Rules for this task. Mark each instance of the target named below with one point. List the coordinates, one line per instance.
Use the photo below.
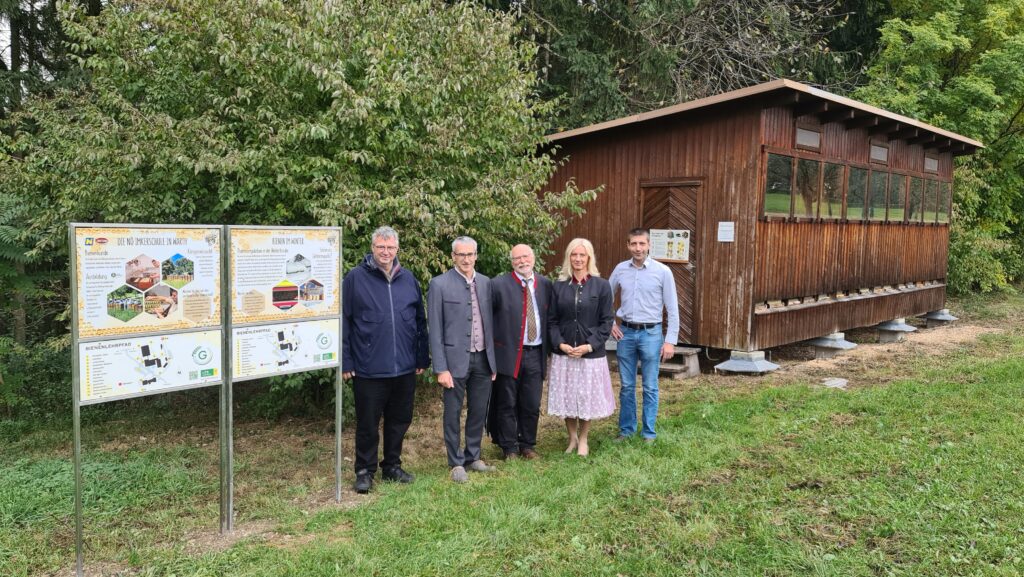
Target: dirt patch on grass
(203, 542)
(99, 569)
(871, 363)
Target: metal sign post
(339, 382)
(77, 411)
(226, 435)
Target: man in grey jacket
(462, 348)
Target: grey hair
(384, 233)
(464, 240)
(514, 247)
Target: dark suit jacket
(510, 318)
(582, 315)
(450, 321)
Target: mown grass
(921, 476)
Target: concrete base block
(893, 331)
(684, 365)
(752, 362)
(938, 318)
(831, 345)
(690, 366)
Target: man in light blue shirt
(648, 290)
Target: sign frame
(225, 327)
(227, 485)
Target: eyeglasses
(463, 254)
(521, 257)
(383, 248)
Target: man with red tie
(520, 301)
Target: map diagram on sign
(265, 350)
(145, 365)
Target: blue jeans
(645, 345)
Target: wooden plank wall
(718, 146)
(810, 258)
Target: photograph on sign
(282, 274)
(266, 350)
(115, 369)
(670, 245)
(140, 280)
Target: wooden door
(674, 206)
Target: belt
(532, 347)
(639, 326)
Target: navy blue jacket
(383, 324)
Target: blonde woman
(580, 386)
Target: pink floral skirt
(580, 388)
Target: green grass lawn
(923, 475)
(177, 283)
(123, 315)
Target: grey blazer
(450, 320)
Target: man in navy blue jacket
(384, 347)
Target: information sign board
(133, 280)
(282, 274)
(670, 245)
(137, 366)
(265, 350)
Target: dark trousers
(517, 403)
(391, 398)
(475, 389)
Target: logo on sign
(202, 355)
(324, 340)
(88, 241)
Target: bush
(35, 381)
(979, 261)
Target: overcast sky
(5, 32)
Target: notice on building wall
(267, 350)
(727, 231)
(132, 367)
(135, 280)
(670, 245)
(284, 274)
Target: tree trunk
(20, 324)
(16, 50)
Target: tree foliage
(352, 112)
(959, 64)
(603, 60)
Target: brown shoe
(510, 456)
(530, 454)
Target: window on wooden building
(832, 195)
(944, 202)
(880, 153)
(914, 199)
(931, 200)
(876, 195)
(931, 164)
(897, 198)
(856, 193)
(809, 139)
(778, 185)
(808, 190)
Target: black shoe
(364, 481)
(397, 475)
